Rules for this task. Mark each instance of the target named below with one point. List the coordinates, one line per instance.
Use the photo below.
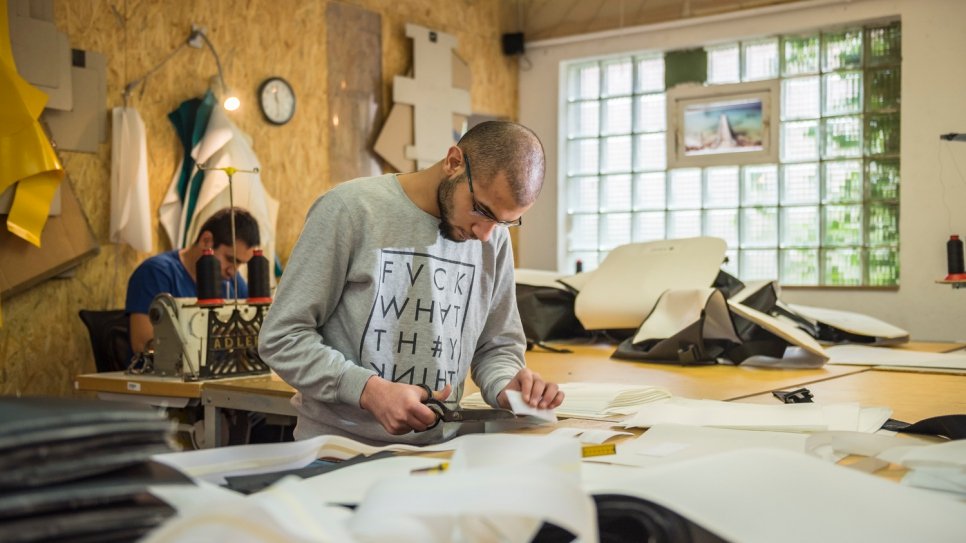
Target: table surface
(149, 385)
(124, 383)
(929, 346)
(269, 385)
(912, 396)
(592, 363)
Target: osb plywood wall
(42, 342)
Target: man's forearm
(141, 331)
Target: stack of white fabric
(939, 466)
(934, 466)
(596, 401)
(494, 488)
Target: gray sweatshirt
(372, 288)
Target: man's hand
(397, 406)
(535, 391)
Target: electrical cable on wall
(953, 136)
(131, 86)
(196, 39)
(942, 188)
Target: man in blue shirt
(174, 271)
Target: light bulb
(232, 103)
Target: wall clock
(277, 100)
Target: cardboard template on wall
(397, 131)
(85, 126)
(43, 58)
(395, 136)
(35, 9)
(67, 241)
(462, 76)
(431, 93)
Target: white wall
(933, 174)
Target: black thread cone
(258, 280)
(208, 271)
(954, 255)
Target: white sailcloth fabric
(594, 401)
(223, 145)
(130, 201)
(796, 417)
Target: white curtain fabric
(223, 145)
(130, 199)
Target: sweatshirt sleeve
(499, 351)
(291, 340)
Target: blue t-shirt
(165, 273)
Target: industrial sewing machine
(196, 341)
(209, 338)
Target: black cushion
(110, 339)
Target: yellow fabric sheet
(26, 155)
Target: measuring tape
(598, 450)
(585, 452)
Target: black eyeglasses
(478, 208)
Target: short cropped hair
(511, 148)
(219, 224)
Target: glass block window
(827, 214)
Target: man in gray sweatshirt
(403, 280)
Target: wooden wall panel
(547, 19)
(42, 342)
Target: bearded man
(402, 285)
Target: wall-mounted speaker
(513, 43)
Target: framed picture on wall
(723, 124)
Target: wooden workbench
(913, 396)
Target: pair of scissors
(446, 414)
